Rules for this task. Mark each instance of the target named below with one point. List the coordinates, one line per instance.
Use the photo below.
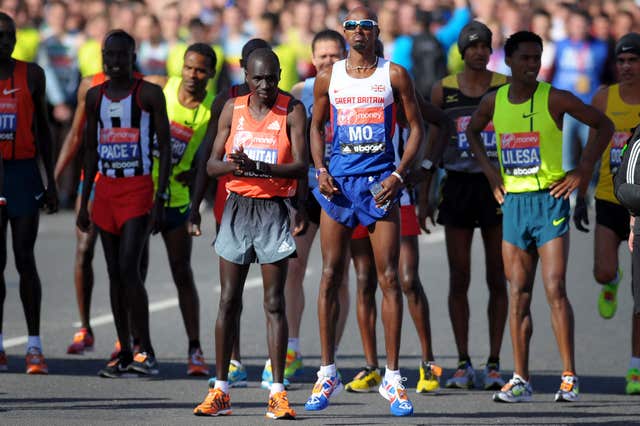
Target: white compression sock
(634, 363)
(390, 374)
(223, 385)
(275, 388)
(328, 370)
(294, 344)
(34, 342)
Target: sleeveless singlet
(124, 135)
(363, 121)
(459, 107)
(529, 141)
(265, 140)
(188, 127)
(625, 117)
(17, 141)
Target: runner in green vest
(534, 192)
(189, 111)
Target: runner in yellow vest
(534, 191)
(189, 111)
(621, 103)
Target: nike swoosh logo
(529, 115)
(626, 48)
(37, 197)
(10, 91)
(557, 222)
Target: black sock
(464, 358)
(193, 345)
(493, 360)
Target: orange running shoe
(116, 350)
(197, 365)
(4, 363)
(35, 362)
(216, 403)
(279, 407)
(82, 341)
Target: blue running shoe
(325, 388)
(237, 377)
(267, 378)
(394, 392)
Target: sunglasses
(365, 24)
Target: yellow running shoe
(429, 377)
(607, 300)
(633, 382)
(367, 380)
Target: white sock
(328, 370)
(634, 363)
(275, 388)
(294, 344)
(1, 343)
(223, 385)
(517, 376)
(236, 363)
(34, 342)
(390, 374)
(267, 363)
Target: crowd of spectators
(64, 36)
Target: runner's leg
(273, 278)
(498, 306)
(366, 310)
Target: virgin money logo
(463, 123)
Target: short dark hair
(330, 35)
(8, 19)
(204, 50)
(520, 37)
(249, 47)
(264, 54)
(121, 34)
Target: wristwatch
(427, 165)
(320, 171)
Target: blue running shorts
(534, 218)
(354, 204)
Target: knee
(459, 281)
(604, 274)
(556, 295)
(25, 262)
(230, 303)
(274, 304)
(409, 282)
(389, 279)
(332, 274)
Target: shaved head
(362, 12)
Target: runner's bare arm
(202, 179)
(403, 86)
(405, 94)
(90, 165)
(580, 211)
(479, 121)
(152, 99)
(43, 140)
(215, 165)
(317, 129)
(73, 140)
(560, 102)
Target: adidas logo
(285, 246)
(274, 126)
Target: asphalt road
(73, 394)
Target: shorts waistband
(530, 194)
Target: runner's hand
(497, 186)
(242, 161)
(580, 215)
(51, 199)
(83, 222)
(186, 178)
(390, 187)
(194, 223)
(157, 216)
(327, 186)
(300, 221)
(565, 186)
(426, 211)
(632, 221)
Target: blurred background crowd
(64, 37)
